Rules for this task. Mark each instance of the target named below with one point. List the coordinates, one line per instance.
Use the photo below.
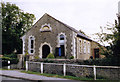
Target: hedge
(6, 59)
(99, 62)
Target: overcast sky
(87, 15)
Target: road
(7, 79)
(17, 75)
(3, 78)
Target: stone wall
(112, 73)
(79, 71)
(49, 37)
(80, 49)
(76, 70)
(95, 45)
(53, 69)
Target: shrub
(6, 59)
(14, 61)
(26, 53)
(11, 55)
(71, 57)
(51, 56)
(36, 57)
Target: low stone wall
(34, 66)
(79, 71)
(111, 73)
(76, 70)
(53, 69)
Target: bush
(71, 57)
(102, 62)
(11, 57)
(5, 58)
(14, 61)
(51, 56)
(36, 57)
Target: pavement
(32, 77)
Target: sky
(85, 15)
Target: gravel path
(18, 74)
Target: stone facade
(49, 35)
(97, 46)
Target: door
(96, 53)
(45, 51)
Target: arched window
(62, 45)
(31, 44)
(61, 37)
(46, 28)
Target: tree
(15, 23)
(113, 39)
(116, 41)
(82, 32)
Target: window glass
(31, 45)
(80, 46)
(31, 51)
(88, 47)
(32, 42)
(84, 47)
(61, 37)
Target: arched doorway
(45, 51)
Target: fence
(109, 72)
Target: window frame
(80, 45)
(89, 47)
(44, 26)
(85, 47)
(31, 38)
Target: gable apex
(46, 15)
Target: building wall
(49, 37)
(72, 42)
(80, 49)
(95, 45)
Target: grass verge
(7, 69)
(59, 76)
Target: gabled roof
(71, 28)
(79, 34)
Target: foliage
(51, 56)
(13, 55)
(36, 57)
(113, 39)
(6, 59)
(71, 57)
(82, 32)
(15, 23)
(26, 53)
(9, 57)
(102, 62)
